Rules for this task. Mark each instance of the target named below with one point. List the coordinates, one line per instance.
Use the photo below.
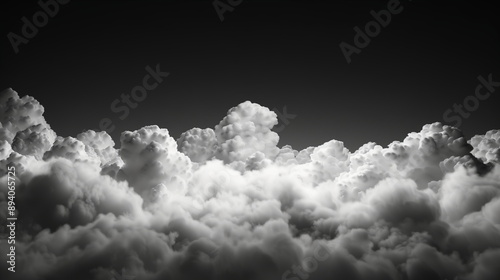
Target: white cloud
(228, 203)
(246, 130)
(487, 147)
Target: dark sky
(275, 53)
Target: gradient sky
(275, 53)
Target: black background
(275, 53)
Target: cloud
(5, 149)
(229, 203)
(34, 140)
(101, 145)
(487, 147)
(246, 130)
(72, 193)
(198, 144)
(151, 158)
(69, 148)
(18, 114)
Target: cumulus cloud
(18, 114)
(198, 144)
(229, 203)
(487, 147)
(101, 146)
(246, 130)
(151, 160)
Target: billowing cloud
(246, 130)
(101, 145)
(198, 144)
(18, 114)
(487, 147)
(229, 203)
(34, 140)
(151, 159)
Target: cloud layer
(229, 203)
